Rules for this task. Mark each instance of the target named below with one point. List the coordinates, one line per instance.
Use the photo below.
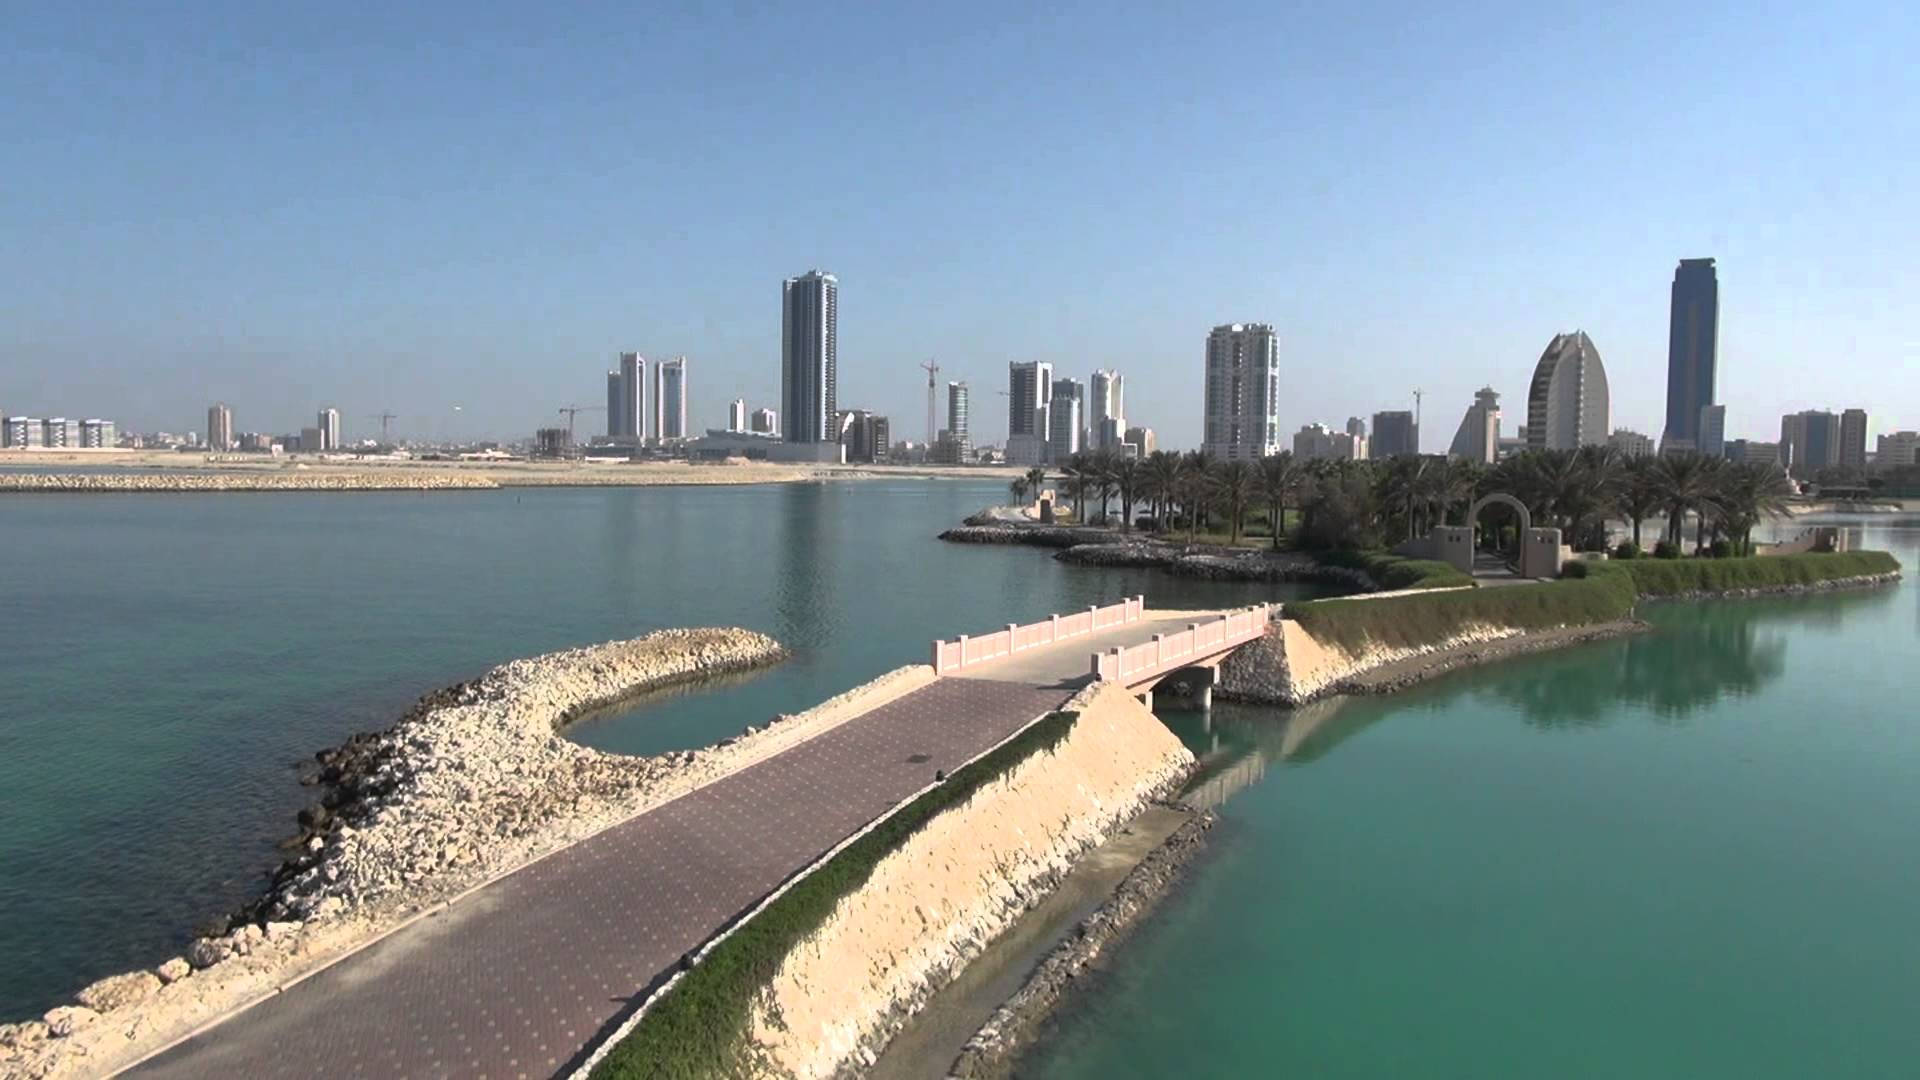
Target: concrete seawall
(933, 904)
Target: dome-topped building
(1567, 404)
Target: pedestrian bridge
(1123, 643)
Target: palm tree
(1036, 479)
(1684, 482)
(1019, 490)
(1746, 493)
(1237, 486)
(1160, 477)
(1280, 480)
(1192, 488)
(1075, 471)
(1637, 495)
(1127, 477)
(1100, 471)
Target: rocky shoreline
(471, 783)
(1090, 546)
(993, 1050)
(1394, 677)
(54, 483)
(1848, 584)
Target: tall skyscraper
(616, 387)
(1567, 404)
(633, 396)
(1479, 436)
(329, 425)
(1107, 404)
(670, 398)
(219, 427)
(809, 356)
(1066, 419)
(1395, 433)
(1242, 392)
(737, 415)
(1693, 346)
(765, 422)
(1713, 430)
(1853, 438)
(957, 417)
(1029, 397)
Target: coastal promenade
(527, 975)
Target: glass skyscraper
(1693, 346)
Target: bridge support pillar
(1192, 687)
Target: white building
(22, 432)
(1242, 392)
(1630, 444)
(737, 415)
(1318, 441)
(1107, 411)
(1029, 400)
(670, 399)
(1567, 404)
(1065, 418)
(329, 424)
(97, 434)
(219, 427)
(765, 422)
(1479, 436)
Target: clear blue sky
(409, 206)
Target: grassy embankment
(1591, 593)
(699, 1027)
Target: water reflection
(804, 591)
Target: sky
(413, 207)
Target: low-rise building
(97, 435)
(22, 432)
(1318, 441)
(764, 422)
(1630, 444)
(1749, 452)
(1141, 439)
(1897, 448)
(60, 433)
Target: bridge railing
(1168, 651)
(968, 650)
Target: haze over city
(405, 210)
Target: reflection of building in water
(807, 553)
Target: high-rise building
(765, 422)
(1356, 427)
(633, 397)
(1107, 409)
(737, 415)
(1479, 436)
(1630, 444)
(864, 435)
(1897, 448)
(1029, 396)
(1394, 433)
(1141, 439)
(1066, 418)
(957, 417)
(23, 432)
(59, 433)
(96, 434)
(1242, 420)
(1853, 438)
(329, 425)
(1318, 441)
(1748, 452)
(1693, 346)
(809, 355)
(1567, 405)
(311, 440)
(219, 427)
(670, 399)
(616, 393)
(1809, 441)
(1713, 430)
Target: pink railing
(1165, 652)
(967, 650)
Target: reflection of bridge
(1121, 643)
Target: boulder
(277, 931)
(24, 1035)
(67, 1019)
(118, 991)
(173, 970)
(207, 952)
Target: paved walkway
(517, 979)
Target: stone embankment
(1847, 584)
(1047, 536)
(1089, 546)
(933, 904)
(241, 481)
(472, 783)
(993, 1049)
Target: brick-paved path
(516, 979)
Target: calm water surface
(1685, 854)
(173, 656)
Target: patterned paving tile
(516, 979)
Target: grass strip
(699, 1027)
(1395, 572)
(1671, 577)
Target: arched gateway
(1540, 553)
(1526, 517)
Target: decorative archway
(1526, 516)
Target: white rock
(67, 1019)
(173, 970)
(118, 991)
(24, 1035)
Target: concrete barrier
(967, 650)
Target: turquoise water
(171, 658)
(1684, 854)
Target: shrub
(1394, 572)
(1594, 593)
(1666, 549)
(1753, 572)
(1627, 550)
(699, 1026)
(1720, 549)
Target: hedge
(1589, 592)
(1394, 572)
(1668, 577)
(1417, 621)
(699, 1027)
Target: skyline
(419, 237)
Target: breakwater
(398, 480)
(1109, 548)
(472, 782)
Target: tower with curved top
(1567, 403)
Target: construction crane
(575, 410)
(385, 418)
(932, 369)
